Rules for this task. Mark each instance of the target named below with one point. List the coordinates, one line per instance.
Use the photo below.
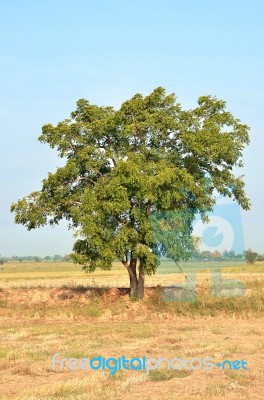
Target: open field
(59, 274)
(48, 308)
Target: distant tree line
(56, 257)
(249, 256)
(216, 255)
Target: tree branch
(148, 209)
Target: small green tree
(250, 256)
(216, 255)
(125, 166)
(66, 258)
(206, 254)
(229, 255)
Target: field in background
(48, 308)
(61, 274)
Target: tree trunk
(141, 279)
(132, 270)
(136, 282)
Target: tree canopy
(126, 168)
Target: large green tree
(135, 175)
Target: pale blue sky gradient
(54, 52)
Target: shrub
(250, 256)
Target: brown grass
(81, 320)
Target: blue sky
(55, 52)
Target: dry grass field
(48, 308)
